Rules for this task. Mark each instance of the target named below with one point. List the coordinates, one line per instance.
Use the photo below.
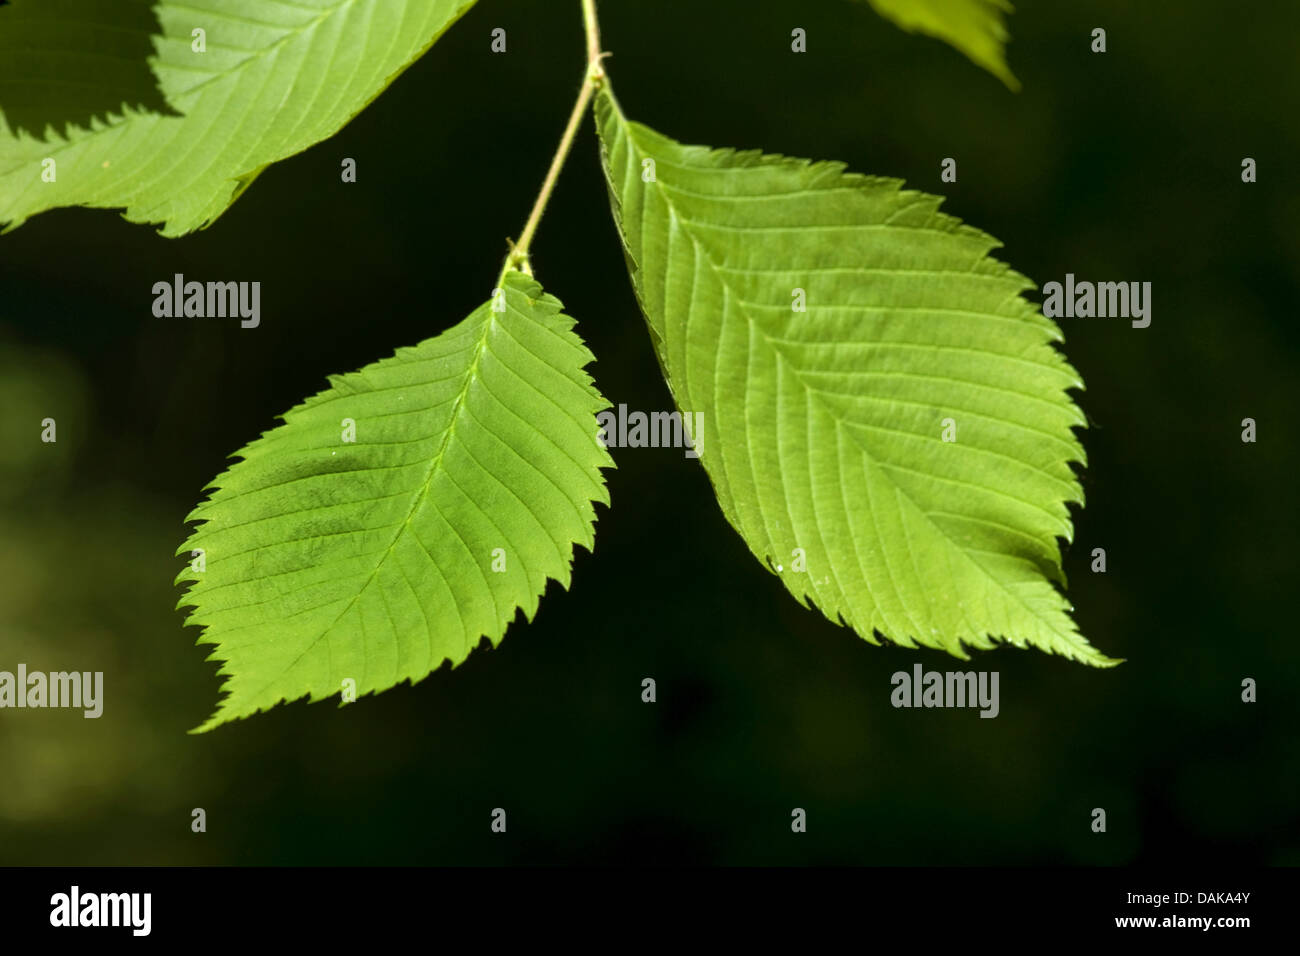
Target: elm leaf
(398, 517)
(240, 84)
(884, 419)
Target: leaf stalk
(591, 81)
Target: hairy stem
(594, 76)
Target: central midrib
(470, 377)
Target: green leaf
(822, 430)
(975, 27)
(473, 473)
(275, 78)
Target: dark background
(1122, 166)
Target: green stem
(592, 28)
(592, 79)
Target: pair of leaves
(375, 560)
(413, 508)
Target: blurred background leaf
(975, 27)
